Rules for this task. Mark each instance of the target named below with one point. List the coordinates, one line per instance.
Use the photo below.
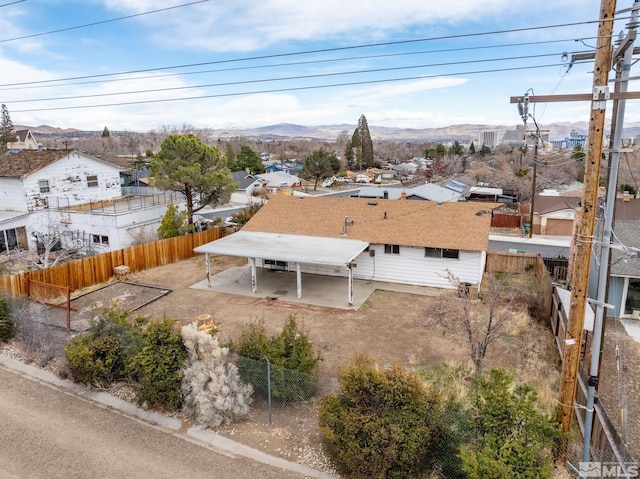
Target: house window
(632, 304)
(92, 181)
(442, 253)
(451, 253)
(433, 252)
(14, 238)
(43, 185)
(100, 239)
(392, 249)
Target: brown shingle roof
(408, 223)
(20, 164)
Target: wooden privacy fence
(85, 272)
(520, 263)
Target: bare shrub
(34, 332)
(211, 387)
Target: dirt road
(47, 433)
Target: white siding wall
(12, 197)
(408, 267)
(122, 230)
(411, 267)
(68, 182)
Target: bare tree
(481, 321)
(56, 244)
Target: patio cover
(285, 247)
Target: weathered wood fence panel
(521, 263)
(86, 272)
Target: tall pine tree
(362, 144)
(7, 134)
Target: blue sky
(242, 63)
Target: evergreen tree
(367, 143)
(320, 164)
(247, 158)
(349, 157)
(199, 172)
(472, 149)
(7, 134)
(456, 149)
(105, 133)
(362, 144)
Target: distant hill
(288, 131)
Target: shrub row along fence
(92, 270)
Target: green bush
(383, 423)
(156, 368)
(513, 440)
(7, 328)
(293, 362)
(102, 355)
(174, 223)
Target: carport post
(350, 284)
(254, 277)
(208, 267)
(299, 280)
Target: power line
(46, 83)
(298, 77)
(280, 90)
(12, 3)
(322, 50)
(101, 22)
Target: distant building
(571, 141)
(515, 138)
(488, 138)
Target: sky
(140, 65)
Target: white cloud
(246, 25)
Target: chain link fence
(275, 385)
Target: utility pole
(523, 108)
(624, 66)
(584, 239)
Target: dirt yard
(390, 326)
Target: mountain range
(287, 131)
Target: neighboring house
(277, 180)
(554, 215)
(37, 180)
(624, 279)
(291, 167)
(428, 192)
(41, 190)
(627, 208)
(24, 141)
(382, 175)
(409, 242)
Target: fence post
(269, 390)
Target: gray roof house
(624, 278)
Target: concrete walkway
(173, 426)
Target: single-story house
(409, 242)
(428, 191)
